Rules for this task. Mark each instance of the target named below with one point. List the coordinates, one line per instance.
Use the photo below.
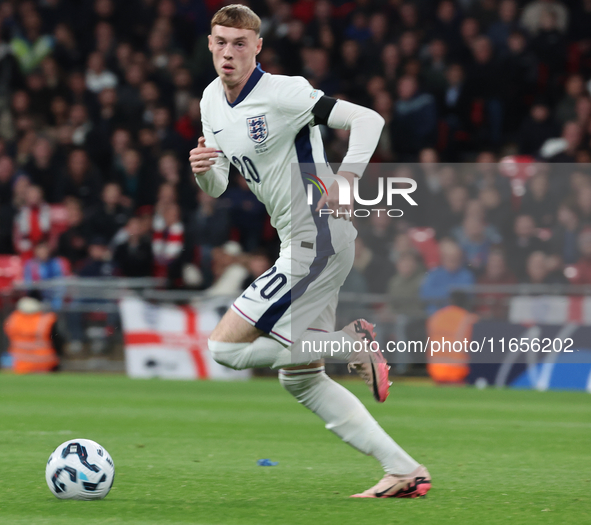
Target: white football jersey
(266, 131)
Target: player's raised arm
(365, 126)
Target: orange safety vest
(449, 324)
(30, 342)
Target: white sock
(346, 416)
(267, 352)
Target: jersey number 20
(247, 167)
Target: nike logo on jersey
(218, 131)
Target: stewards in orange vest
(446, 326)
(29, 332)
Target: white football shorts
(299, 293)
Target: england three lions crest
(257, 129)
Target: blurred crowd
(99, 106)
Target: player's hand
(331, 199)
(202, 158)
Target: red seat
(11, 269)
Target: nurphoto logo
(386, 185)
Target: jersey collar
(249, 86)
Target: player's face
(234, 53)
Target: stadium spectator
(168, 138)
(6, 230)
(109, 216)
(520, 67)
(404, 301)
(20, 189)
(81, 124)
(383, 105)
(188, 126)
(40, 95)
(128, 92)
(73, 243)
(52, 76)
(66, 51)
(375, 266)
(377, 234)
(565, 235)
(500, 31)
(434, 68)
(169, 170)
(99, 262)
(81, 180)
(43, 168)
(583, 203)
(538, 202)
(110, 117)
(6, 180)
(484, 76)
(29, 45)
(534, 13)
(149, 96)
(182, 94)
(437, 285)
(540, 270)
(98, 77)
(135, 179)
(348, 310)
(229, 270)
(59, 113)
(536, 129)
(43, 267)
(455, 104)
(497, 212)
(208, 227)
(248, 215)
(476, 239)
(494, 305)
(415, 120)
(134, 257)
(167, 196)
(451, 214)
(549, 43)
(446, 23)
(580, 273)
(523, 244)
(168, 242)
(32, 223)
(120, 143)
(566, 109)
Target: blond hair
(238, 16)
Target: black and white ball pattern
(80, 469)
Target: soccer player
(263, 124)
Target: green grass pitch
(186, 452)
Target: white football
(80, 469)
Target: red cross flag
(170, 342)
